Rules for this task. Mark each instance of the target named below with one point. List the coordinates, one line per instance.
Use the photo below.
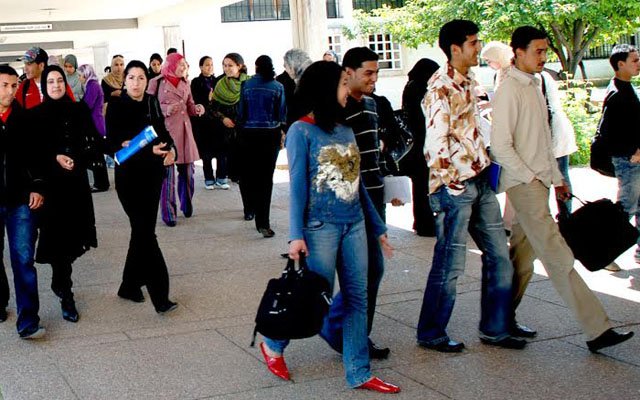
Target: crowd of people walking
(334, 129)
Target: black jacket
(620, 124)
(125, 119)
(21, 170)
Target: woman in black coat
(67, 225)
(414, 162)
(138, 184)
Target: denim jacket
(262, 104)
(324, 169)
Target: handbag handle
(290, 269)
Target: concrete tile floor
(219, 266)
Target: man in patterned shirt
(462, 200)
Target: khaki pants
(536, 235)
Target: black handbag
(398, 143)
(294, 305)
(600, 157)
(597, 233)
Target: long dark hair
(317, 93)
(43, 82)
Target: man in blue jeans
(21, 188)
(361, 64)
(462, 200)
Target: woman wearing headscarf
(176, 103)
(155, 65)
(138, 183)
(112, 82)
(73, 77)
(67, 223)
(261, 115)
(414, 162)
(295, 62)
(94, 98)
(226, 96)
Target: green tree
(573, 26)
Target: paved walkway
(219, 267)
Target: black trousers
(259, 149)
(139, 194)
(61, 282)
(100, 176)
(423, 220)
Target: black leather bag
(398, 143)
(294, 305)
(597, 233)
(600, 158)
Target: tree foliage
(573, 26)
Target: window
(388, 51)
(256, 10)
(333, 9)
(604, 51)
(368, 5)
(335, 44)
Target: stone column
(309, 26)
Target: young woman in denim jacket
(328, 209)
(262, 114)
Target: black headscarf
(43, 83)
(422, 71)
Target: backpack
(294, 305)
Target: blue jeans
(326, 242)
(563, 166)
(476, 211)
(628, 175)
(332, 329)
(21, 234)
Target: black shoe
(98, 190)
(267, 232)
(34, 332)
(170, 224)
(69, 311)
(450, 346)
(167, 307)
(3, 314)
(507, 343)
(284, 255)
(519, 330)
(378, 353)
(249, 216)
(608, 338)
(135, 295)
(426, 232)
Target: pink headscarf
(169, 66)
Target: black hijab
(43, 84)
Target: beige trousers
(535, 234)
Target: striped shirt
(361, 116)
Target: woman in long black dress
(138, 184)
(67, 224)
(414, 162)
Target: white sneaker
(209, 187)
(223, 186)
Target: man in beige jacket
(521, 143)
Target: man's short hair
(523, 35)
(455, 32)
(354, 57)
(620, 52)
(7, 70)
